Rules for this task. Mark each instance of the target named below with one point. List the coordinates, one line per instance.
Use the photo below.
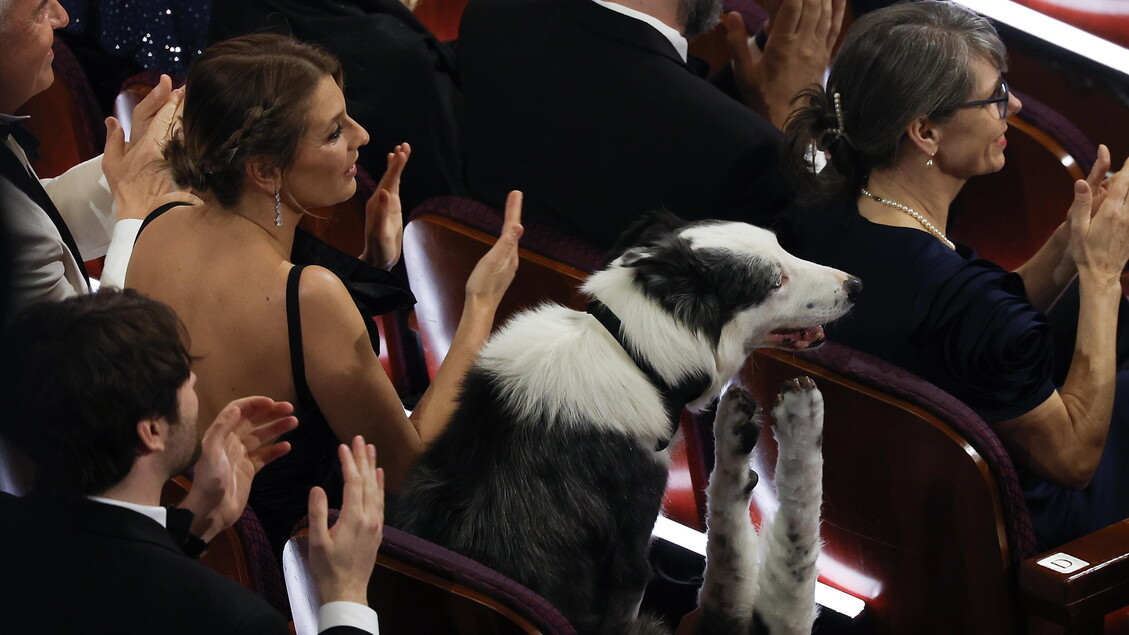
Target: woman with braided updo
(916, 105)
(265, 136)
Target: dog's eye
(780, 281)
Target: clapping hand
(342, 557)
(801, 36)
(133, 169)
(234, 448)
(384, 221)
(495, 270)
(1099, 240)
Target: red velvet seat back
(923, 516)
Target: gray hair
(896, 64)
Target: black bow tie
(23, 136)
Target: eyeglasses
(1001, 98)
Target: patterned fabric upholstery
(878, 374)
(264, 568)
(540, 239)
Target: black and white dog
(553, 467)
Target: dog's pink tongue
(797, 338)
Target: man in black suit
(99, 394)
(595, 111)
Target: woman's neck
(924, 190)
(252, 218)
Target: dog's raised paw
(798, 384)
(736, 423)
(799, 412)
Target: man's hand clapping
(801, 36)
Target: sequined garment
(161, 35)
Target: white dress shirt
(676, 39)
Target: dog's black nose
(853, 287)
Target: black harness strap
(674, 398)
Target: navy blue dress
(965, 325)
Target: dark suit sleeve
(753, 191)
(724, 81)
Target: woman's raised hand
(1099, 240)
(384, 220)
(1097, 180)
(495, 271)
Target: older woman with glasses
(916, 105)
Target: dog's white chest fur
(559, 367)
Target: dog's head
(731, 283)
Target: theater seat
(923, 516)
(443, 241)
(418, 587)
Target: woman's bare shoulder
(326, 304)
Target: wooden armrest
(1087, 594)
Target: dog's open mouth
(797, 339)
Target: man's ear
(151, 435)
(925, 134)
(263, 177)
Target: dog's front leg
(787, 599)
(729, 587)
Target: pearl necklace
(909, 210)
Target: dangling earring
(277, 209)
(929, 163)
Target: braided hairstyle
(245, 98)
(897, 64)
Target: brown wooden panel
(912, 520)
(411, 601)
(440, 254)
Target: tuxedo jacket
(93, 568)
(44, 267)
(595, 117)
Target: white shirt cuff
(121, 248)
(333, 614)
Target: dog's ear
(646, 230)
(702, 288)
(669, 272)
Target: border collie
(553, 467)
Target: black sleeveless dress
(280, 491)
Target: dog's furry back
(511, 485)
